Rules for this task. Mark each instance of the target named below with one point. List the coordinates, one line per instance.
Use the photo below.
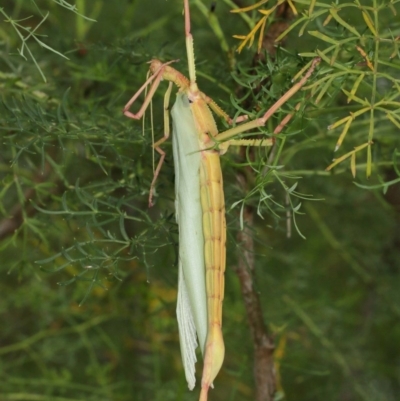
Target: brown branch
(264, 375)
(10, 224)
(264, 372)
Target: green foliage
(360, 51)
(76, 173)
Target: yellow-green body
(213, 228)
(208, 187)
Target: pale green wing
(192, 299)
(187, 331)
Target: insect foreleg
(157, 78)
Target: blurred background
(89, 273)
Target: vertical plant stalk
(264, 370)
(264, 374)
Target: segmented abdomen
(214, 230)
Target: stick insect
(200, 207)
